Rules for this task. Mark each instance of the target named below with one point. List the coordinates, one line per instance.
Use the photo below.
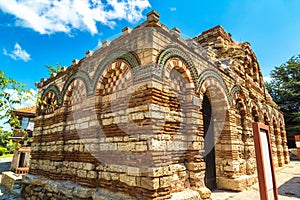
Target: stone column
(274, 145)
(284, 144)
(249, 147)
(279, 147)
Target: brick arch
(130, 58)
(266, 118)
(284, 141)
(175, 52)
(254, 111)
(265, 112)
(83, 76)
(274, 121)
(69, 97)
(281, 127)
(241, 101)
(274, 113)
(281, 120)
(119, 67)
(53, 88)
(234, 93)
(242, 134)
(242, 109)
(237, 94)
(211, 78)
(180, 66)
(278, 141)
(112, 96)
(50, 100)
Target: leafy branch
(12, 93)
(54, 69)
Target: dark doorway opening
(22, 160)
(209, 147)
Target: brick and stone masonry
(150, 115)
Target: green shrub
(2, 150)
(10, 146)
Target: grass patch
(7, 156)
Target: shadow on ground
(4, 166)
(291, 188)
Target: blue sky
(33, 34)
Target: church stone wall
(128, 121)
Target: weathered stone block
(129, 180)
(196, 166)
(133, 171)
(82, 173)
(186, 195)
(149, 183)
(204, 192)
(237, 184)
(8, 180)
(52, 186)
(115, 176)
(92, 174)
(88, 166)
(82, 192)
(233, 166)
(105, 175)
(154, 172)
(197, 175)
(165, 181)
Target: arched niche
(113, 90)
(50, 100)
(214, 111)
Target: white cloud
(47, 17)
(27, 99)
(18, 53)
(173, 9)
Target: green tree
(9, 100)
(4, 138)
(285, 91)
(54, 69)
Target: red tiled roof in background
(28, 109)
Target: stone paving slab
(4, 193)
(288, 184)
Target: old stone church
(151, 115)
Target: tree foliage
(285, 91)
(54, 69)
(9, 100)
(5, 140)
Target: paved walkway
(288, 183)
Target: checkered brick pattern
(117, 77)
(76, 92)
(178, 81)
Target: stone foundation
(39, 187)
